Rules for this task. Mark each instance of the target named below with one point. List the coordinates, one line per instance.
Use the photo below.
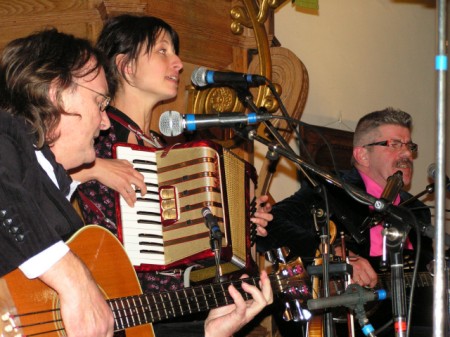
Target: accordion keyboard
(166, 227)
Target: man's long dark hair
(31, 65)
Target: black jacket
(293, 225)
(34, 213)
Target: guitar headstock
(8, 322)
(8, 326)
(291, 284)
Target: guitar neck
(424, 279)
(149, 308)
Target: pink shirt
(376, 239)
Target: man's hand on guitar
(225, 321)
(84, 311)
(262, 215)
(363, 273)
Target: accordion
(166, 227)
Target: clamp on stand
(394, 236)
(354, 298)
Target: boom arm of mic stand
(246, 97)
(287, 147)
(428, 190)
(358, 194)
(361, 195)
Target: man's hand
(225, 321)
(363, 273)
(262, 215)
(84, 311)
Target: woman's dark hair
(127, 34)
(30, 65)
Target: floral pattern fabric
(96, 197)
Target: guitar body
(103, 255)
(315, 326)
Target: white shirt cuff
(40, 263)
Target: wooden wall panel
(204, 29)
(20, 18)
(204, 26)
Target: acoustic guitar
(30, 308)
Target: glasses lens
(412, 147)
(395, 144)
(104, 104)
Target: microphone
(172, 123)
(202, 77)
(393, 186)
(352, 297)
(211, 223)
(432, 175)
(429, 230)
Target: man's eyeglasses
(395, 144)
(104, 103)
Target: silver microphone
(172, 123)
(202, 77)
(432, 175)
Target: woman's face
(157, 73)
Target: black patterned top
(95, 196)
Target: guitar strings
(164, 306)
(163, 309)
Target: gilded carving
(252, 14)
(240, 15)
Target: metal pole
(440, 311)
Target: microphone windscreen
(206, 211)
(171, 123)
(432, 171)
(198, 77)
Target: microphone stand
(350, 317)
(395, 233)
(216, 244)
(375, 218)
(321, 220)
(215, 240)
(247, 99)
(354, 298)
(360, 314)
(356, 192)
(428, 190)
